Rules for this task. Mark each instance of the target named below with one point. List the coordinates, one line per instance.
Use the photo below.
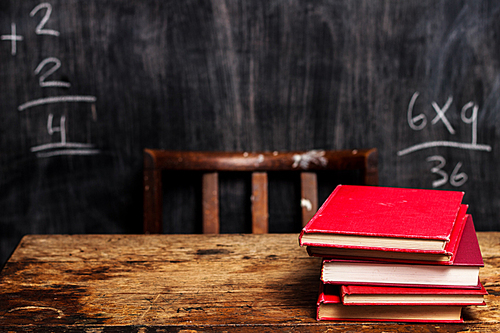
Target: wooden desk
(188, 283)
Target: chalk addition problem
(468, 115)
(44, 71)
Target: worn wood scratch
(60, 313)
(149, 308)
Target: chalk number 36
(456, 178)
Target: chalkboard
(86, 85)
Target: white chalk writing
(456, 179)
(438, 170)
(69, 152)
(451, 144)
(440, 114)
(472, 120)
(63, 147)
(39, 30)
(56, 65)
(45, 71)
(48, 146)
(61, 128)
(13, 37)
(56, 99)
(419, 122)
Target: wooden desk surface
(188, 283)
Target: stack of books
(395, 254)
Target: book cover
(468, 251)
(464, 272)
(446, 258)
(385, 218)
(382, 295)
(330, 307)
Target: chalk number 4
(456, 178)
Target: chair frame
(259, 163)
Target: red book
(378, 295)
(400, 256)
(463, 273)
(387, 219)
(330, 307)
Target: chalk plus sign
(13, 38)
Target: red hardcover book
(385, 218)
(330, 307)
(463, 273)
(446, 258)
(378, 295)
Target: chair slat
(153, 199)
(210, 198)
(260, 214)
(371, 168)
(309, 195)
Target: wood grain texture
(260, 203)
(210, 203)
(309, 195)
(312, 160)
(209, 283)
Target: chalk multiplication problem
(60, 111)
(418, 121)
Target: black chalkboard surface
(86, 85)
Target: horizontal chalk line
(69, 152)
(56, 99)
(452, 144)
(61, 145)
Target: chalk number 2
(456, 178)
(40, 27)
(56, 64)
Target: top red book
(387, 218)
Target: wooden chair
(211, 163)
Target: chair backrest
(211, 163)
